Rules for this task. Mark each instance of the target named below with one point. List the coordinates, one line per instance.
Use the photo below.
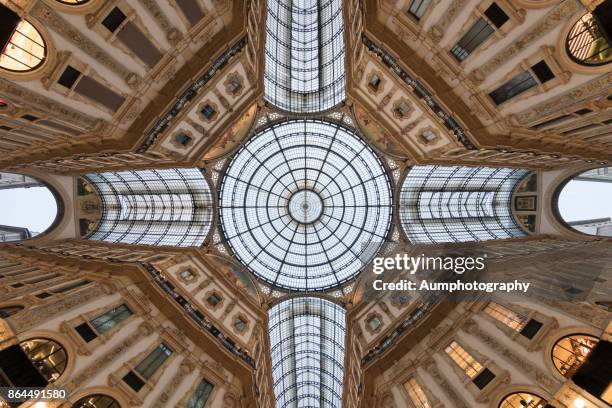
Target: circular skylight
(305, 204)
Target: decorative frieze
(172, 33)
(519, 362)
(432, 369)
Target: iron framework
(307, 351)
(459, 204)
(165, 207)
(305, 204)
(304, 60)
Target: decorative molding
(31, 317)
(552, 20)
(172, 33)
(431, 367)
(185, 368)
(436, 32)
(96, 366)
(66, 30)
(524, 365)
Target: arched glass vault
(305, 204)
(304, 60)
(307, 351)
(171, 207)
(459, 204)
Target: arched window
(583, 202)
(304, 60)
(48, 357)
(27, 207)
(459, 204)
(23, 48)
(171, 207)
(73, 2)
(9, 311)
(96, 401)
(307, 351)
(523, 400)
(569, 353)
(586, 44)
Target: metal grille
(307, 350)
(166, 207)
(305, 204)
(585, 43)
(459, 204)
(304, 62)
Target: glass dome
(305, 204)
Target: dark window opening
(113, 20)
(531, 328)
(209, 112)
(182, 139)
(29, 117)
(496, 15)
(542, 71)
(86, 332)
(484, 378)
(69, 77)
(133, 381)
(583, 111)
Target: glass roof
(307, 350)
(459, 204)
(305, 204)
(304, 62)
(153, 207)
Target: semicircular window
(523, 400)
(165, 207)
(23, 48)
(304, 60)
(307, 352)
(27, 207)
(583, 202)
(305, 204)
(459, 204)
(586, 44)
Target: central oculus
(305, 204)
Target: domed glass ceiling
(305, 204)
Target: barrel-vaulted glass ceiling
(304, 61)
(153, 207)
(305, 204)
(459, 204)
(307, 350)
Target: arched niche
(581, 202)
(29, 207)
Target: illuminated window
(569, 353)
(416, 394)
(586, 44)
(73, 3)
(25, 49)
(463, 359)
(96, 401)
(506, 316)
(523, 400)
(48, 357)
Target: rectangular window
(513, 87)
(113, 20)
(200, 395)
(110, 319)
(69, 77)
(418, 8)
(86, 332)
(531, 328)
(153, 361)
(463, 359)
(542, 72)
(479, 32)
(484, 378)
(506, 316)
(416, 394)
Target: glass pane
(110, 319)
(153, 361)
(200, 395)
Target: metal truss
(440, 204)
(305, 204)
(165, 207)
(307, 350)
